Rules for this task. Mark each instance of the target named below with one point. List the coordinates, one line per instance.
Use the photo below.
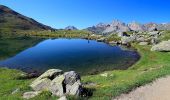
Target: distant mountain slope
(13, 21)
(71, 28)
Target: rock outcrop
(164, 46)
(57, 82)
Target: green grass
(112, 37)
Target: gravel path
(158, 90)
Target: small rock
(112, 42)
(29, 95)
(15, 91)
(104, 75)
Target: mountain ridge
(11, 20)
(119, 26)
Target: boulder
(29, 95)
(154, 41)
(164, 46)
(42, 82)
(101, 39)
(71, 77)
(56, 86)
(125, 40)
(72, 83)
(140, 39)
(58, 83)
(153, 33)
(113, 42)
(51, 73)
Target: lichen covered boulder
(57, 82)
(42, 82)
(164, 46)
(72, 83)
(56, 86)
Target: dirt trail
(158, 90)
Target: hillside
(11, 21)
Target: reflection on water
(83, 56)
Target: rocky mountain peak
(135, 26)
(117, 23)
(101, 25)
(71, 28)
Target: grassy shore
(151, 66)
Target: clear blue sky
(84, 13)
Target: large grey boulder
(72, 82)
(42, 82)
(57, 82)
(163, 46)
(56, 86)
(71, 77)
(125, 40)
(153, 33)
(141, 39)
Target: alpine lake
(36, 55)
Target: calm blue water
(83, 56)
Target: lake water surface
(83, 56)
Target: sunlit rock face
(116, 26)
